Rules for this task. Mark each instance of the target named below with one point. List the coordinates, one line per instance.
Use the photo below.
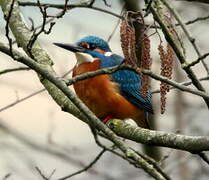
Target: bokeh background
(41, 121)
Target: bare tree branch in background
(86, 167)
(38, 61)
(13, 70)
(51, 76)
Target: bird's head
(88, 48)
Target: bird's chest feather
(97, 92)
(102, 95)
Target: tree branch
(54, 151)
(41, 173)
(13, 70)
(23, 35)
(70, 6)
(187, 33)
(28, 96)
(138, 70)
(197, 20)
(43, 67)
(110, 70)
(21, 100)
(204, 156)
(92, 119)
(193, 144)
(86, 167)
(188, 143)
(158, 16)
(187, 83)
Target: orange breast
(102, 95)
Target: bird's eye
(92, 46)
(85, 45)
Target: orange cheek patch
(100, 51)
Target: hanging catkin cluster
(128, 41)
(166, 58)
(128, 44)
(146, 62)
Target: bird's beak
(71, 47)
(80, 52)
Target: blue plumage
(129, 82)
(102, 44)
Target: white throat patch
(108, 53)
(83, 57)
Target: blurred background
(55, 140)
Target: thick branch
(43, 67)
(92, 119)
(23, 35)
(188, 143)
(192, 144)
(114, 69)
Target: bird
(108, 96)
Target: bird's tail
(143, 120)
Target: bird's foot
(107, 118)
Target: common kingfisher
(109, 96)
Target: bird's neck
(83, 57)
(86, 67)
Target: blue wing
(129, 83)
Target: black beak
(71, 47)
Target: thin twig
(41, 173)
(92, 2)
(158, 17)
(138, 70)
(154, 163)
(86, 168)
(29, 96)
(113, 148)
(7, 176)
(105, 2)
(21, 100)
(138, 162)
(7, 26)
(196, 61)
(187, 33)
(51, 174)
(64, 10)
(147, 10)
(71, 6)
(42, 29)
(197, 20)
(204, 157)
(14, 70)
(54, 151)
(187, 83)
